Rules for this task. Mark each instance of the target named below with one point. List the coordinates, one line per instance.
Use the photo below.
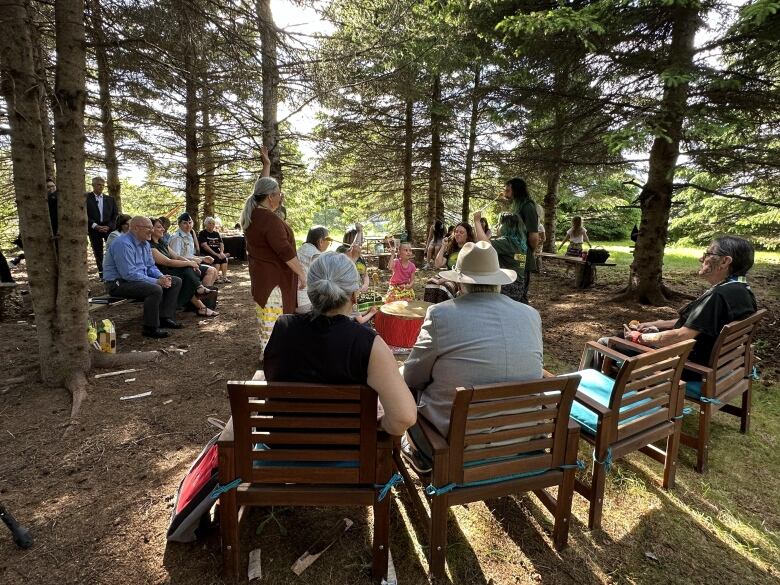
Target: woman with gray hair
(274, 270)
(327, 347)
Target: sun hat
(478, 264)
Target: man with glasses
(130, 272)
(724, 265)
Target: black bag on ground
(597, 255)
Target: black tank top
(318, 349)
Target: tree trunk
(555, 167)
(472, 142)
(43, 100)
(408, 154)
(270, 73)
(106, 107)
(645, 281)
(551, 207)
(435, 201)
(209, 192)
(192, 179)
(58, 285)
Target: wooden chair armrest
(226, 437)
(604, 350)
(600, 410)
(698, 368)
(437, 441)
(574, 426)
(625, 343)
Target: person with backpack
(511, 247)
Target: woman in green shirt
(511, 247)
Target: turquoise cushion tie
(598, 387)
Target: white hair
(264, 186)
(331, 281)
(209, 220)
(468, 288)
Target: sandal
(206, 312)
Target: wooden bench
(585, 272)
(303, 445)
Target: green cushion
(598, 387)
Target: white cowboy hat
(478, 264)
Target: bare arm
(397, 401)
(266, 162)
(295, 266)
(661, 324)
(566, 239)
(441, 261)
(179, 262)
(585, 236)
(669, 337)
(479, 233)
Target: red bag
(193, 498)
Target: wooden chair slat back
(304, 433)
(511, 428)
(646, 391)
(735, 339)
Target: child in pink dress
(402, 280)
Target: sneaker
(413, 457)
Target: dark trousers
(5, 270)
(159, 302)
(97, 240)
(526, 282)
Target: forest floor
(99, 499)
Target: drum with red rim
(399, 322)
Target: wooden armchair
(640, 405)
(303, 445)
(727, 376)
(503, 439)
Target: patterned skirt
(396, 293)
(438, 293)
(267, 316)
(574, 250)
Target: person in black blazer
(101, 219)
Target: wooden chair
(642, 404)
(503, 439)
(303, 445)
(726, 376)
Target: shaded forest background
(424, 108)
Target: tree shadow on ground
(285, 537)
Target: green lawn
(679, 258)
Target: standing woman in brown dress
(274, 269)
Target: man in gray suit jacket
(481, 337)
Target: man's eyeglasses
(708, 254)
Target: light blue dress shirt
(129, 259)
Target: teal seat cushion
(693, 390)
(598, 387)
(258, 464)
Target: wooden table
(585, 272)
